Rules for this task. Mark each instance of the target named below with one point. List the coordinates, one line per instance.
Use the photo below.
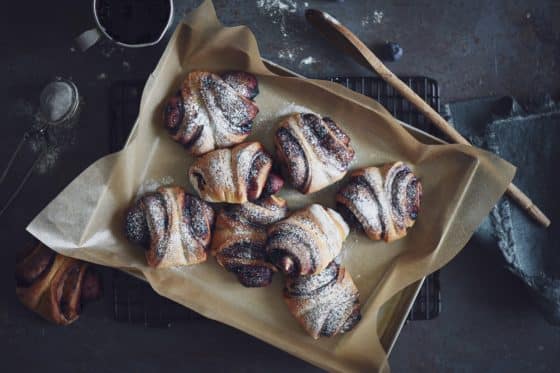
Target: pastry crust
(313, 151)
(209, 112)
(235, 175)
(239, 239)
(174, 227)
(55, 286)
(383, 201)
(307, 241)
(325, 304)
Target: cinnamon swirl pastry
(54, 286)
(235, 175)
(244, 83)
(239, 239)
(174, 227)
(209, 112)
(314, 152)
(307, 241)
(325, 304)
(384, 201)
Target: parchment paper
(461, 184)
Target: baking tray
(135, 302)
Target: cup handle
(87, 39)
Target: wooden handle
(514, 192)
(525, 202)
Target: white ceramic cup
(89, 37)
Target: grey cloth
(527, 140)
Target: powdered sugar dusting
(273, 7)
(225, 107)
(290, 54)
(244, 161)
(317, 224)
(277, 10)
(224, 172)
(382, 201)
(214, 111)
(331, 170)
(151, 185)
(219, 170)
(334, 234)
(374, 18)
(166, 228)
(325, 302)
(285, 109)
(308, 61)
(264, 212)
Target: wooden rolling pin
(349, 42)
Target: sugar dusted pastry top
(174, 227)
(307, 241)
(211, 111)
(325, 304)
(314, 152)
(234, 175)
(240, 236)
(384, 201)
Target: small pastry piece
(239, 239)
(235, 175)
(384, 201)
(209, 112)
(55, 286)
(325, 304)
(174, 227)
(307, 241)
(314, 152)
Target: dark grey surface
(473, 48)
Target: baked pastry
(174, 227)
(55, 286)
(314, 152)
(325, 304)
(307, 241)
(210, 111)
(239, 239)
(235, 175)
(383, 201)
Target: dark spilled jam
(133, 21)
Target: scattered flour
(285, 108)
(276, 7)
(290, 54)
(292, 107)
(375, 18)
(286, 54)
(308, 61)
(278, 10)
(47, 159)
(45, 142)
